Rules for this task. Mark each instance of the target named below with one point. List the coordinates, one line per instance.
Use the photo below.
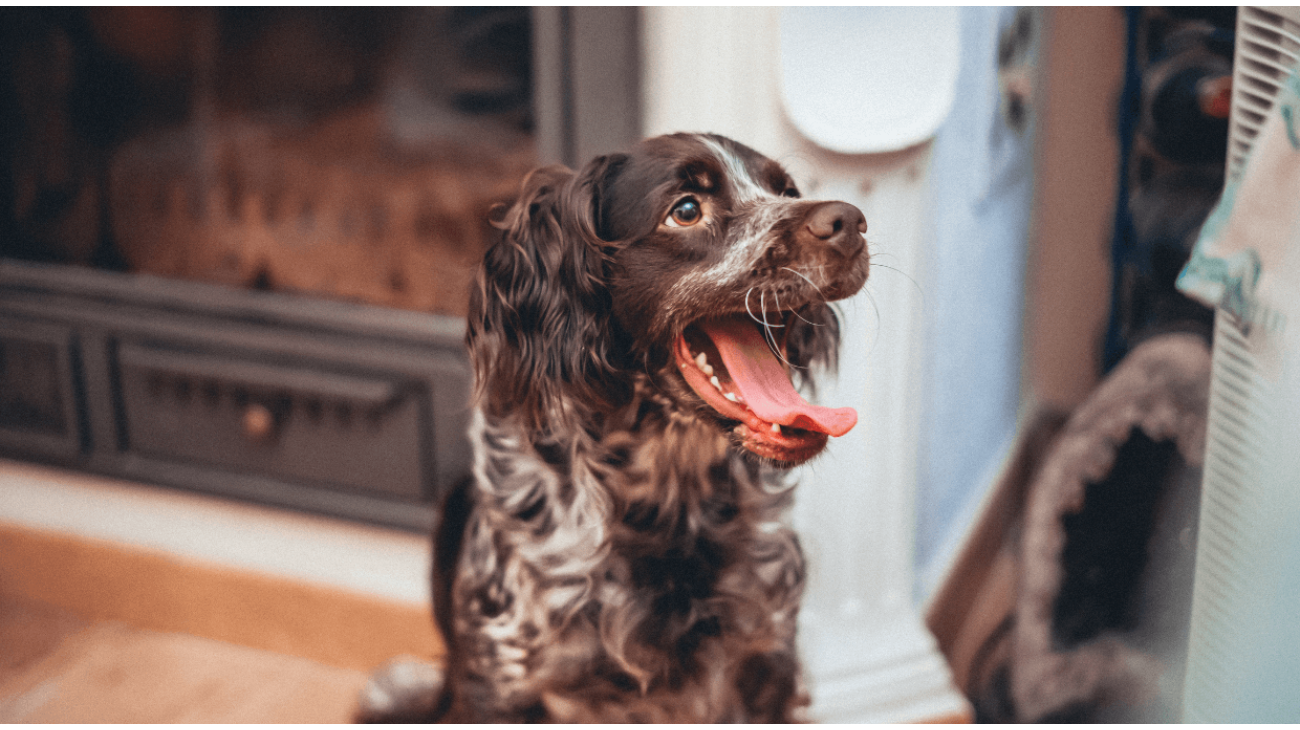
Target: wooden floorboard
(102, 580)
(30, 631)
(55, 667)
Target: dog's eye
(790, 192)
(685, 213)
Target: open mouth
(728, 362)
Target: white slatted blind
(1238, 624)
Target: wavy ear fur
(539, 315)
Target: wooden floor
(55, 667)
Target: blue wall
(981, 187)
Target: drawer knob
(259, 423)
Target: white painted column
(865, 648)
(867, 654)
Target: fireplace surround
(235, 245)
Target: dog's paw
(405, 689)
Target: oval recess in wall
(869, 79)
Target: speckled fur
(640, 575)
(621, 557)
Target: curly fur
(620, 555)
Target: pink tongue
(764, 384)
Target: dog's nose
(838, 225)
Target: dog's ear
(813, 341)
(540, 337)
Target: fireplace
(237, 243)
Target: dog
(636, 335)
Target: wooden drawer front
(355, 432)
(38, 404)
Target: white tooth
(714, 381)
(708, 369)
(731, 397)
(776, 428)
(702, 360)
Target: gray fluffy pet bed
(1107, 551)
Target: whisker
(805, 321)
(886, 254)
(767, 329)
(901, 273)
(777, 310)
(810, 281)
(749, 311)
(875, 335)
(813, 285)
(792, 311)
(768, 334)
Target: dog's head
(691, 259)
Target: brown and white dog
(636, 335)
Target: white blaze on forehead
(745, 242)
(746, 187)
(749, 232)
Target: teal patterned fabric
(1235, 250)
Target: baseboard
(109, 551)
(882, 668)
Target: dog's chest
(630, 567)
